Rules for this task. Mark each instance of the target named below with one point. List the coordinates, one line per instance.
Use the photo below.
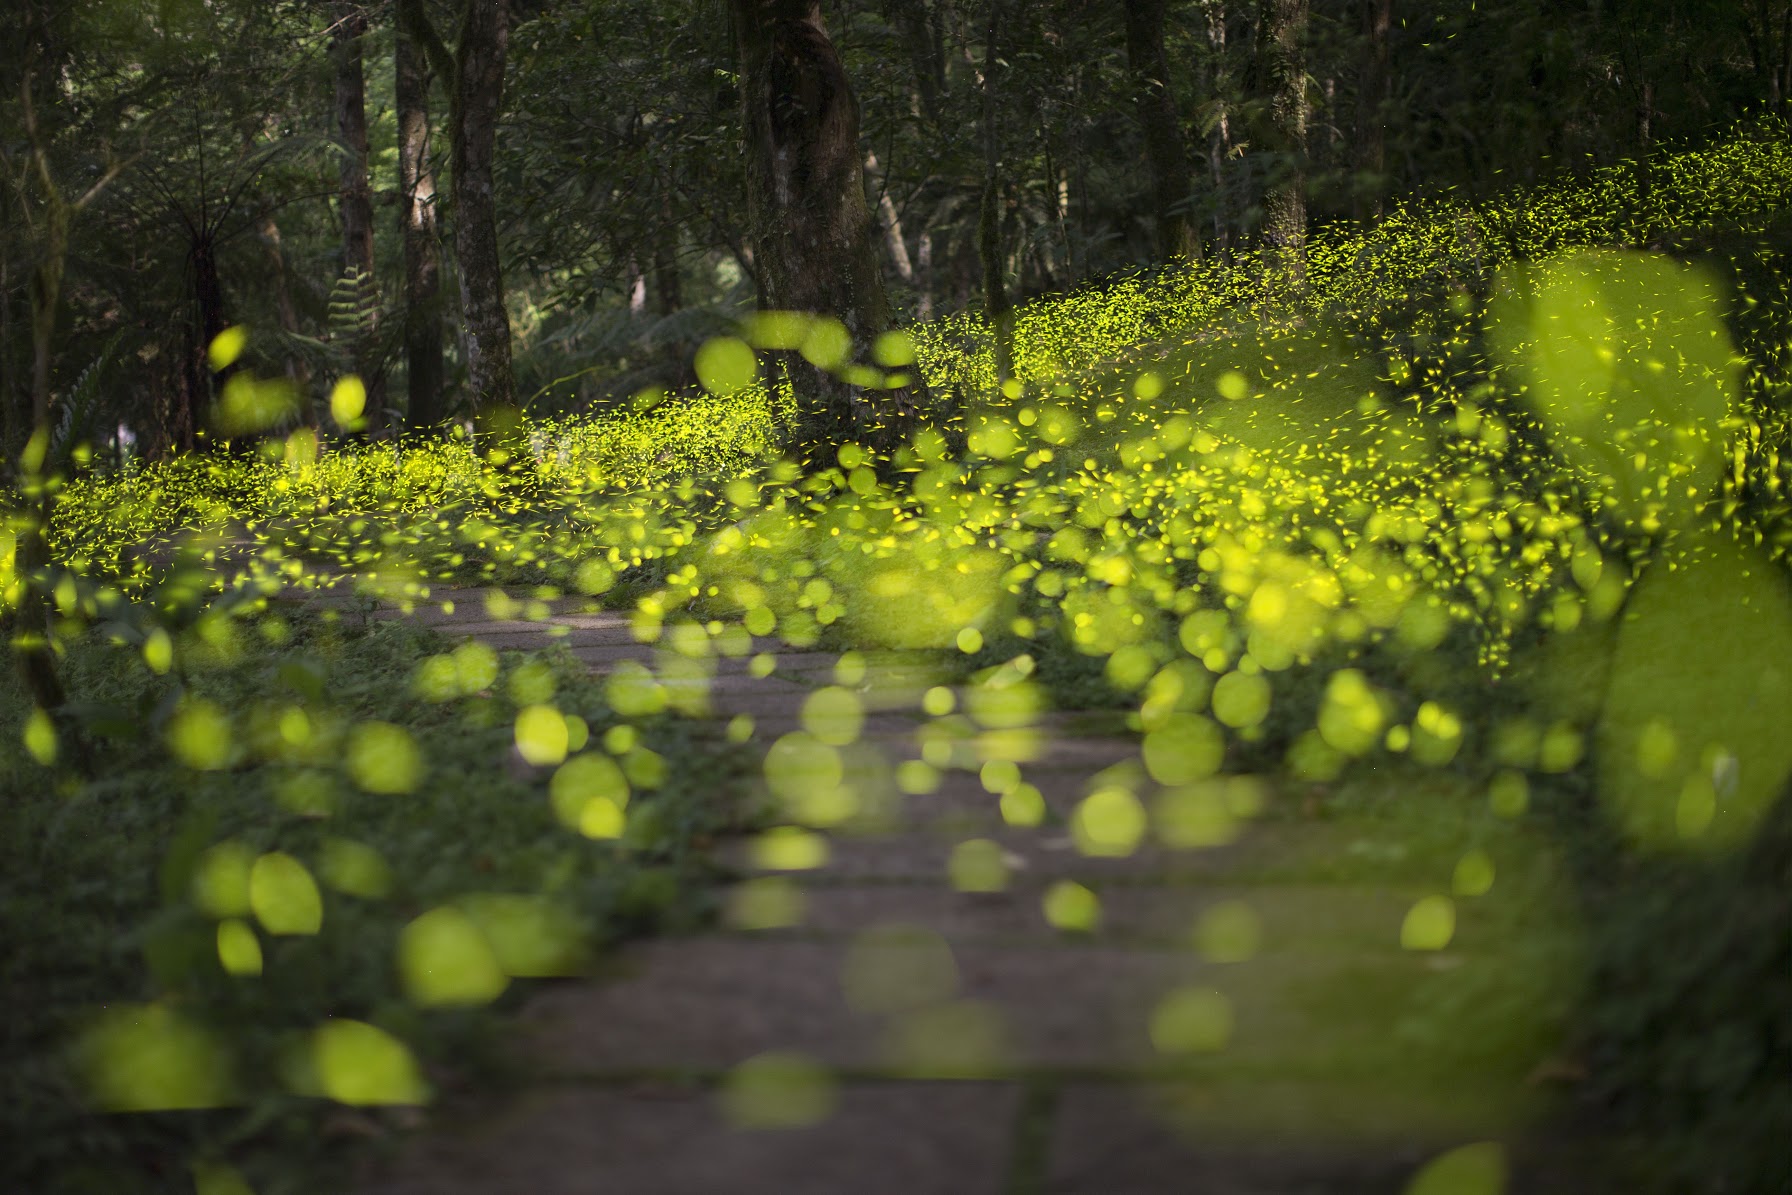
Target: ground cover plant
(1428, 546)
(295, 860)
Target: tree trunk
(1282, 72)
(989, 227)
(637, 286)
(815, 248)
(32, 623)
(184, 432)
(667, 288)
(280, 284)
(1371, 109)
(479, 92)
(13, 397)
(417, 232)
(924, 271)
(354, 195)
(920, 27)
(1219, 141)
(1156, 103)
(351, 126)
(889, 221)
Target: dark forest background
(291, 166)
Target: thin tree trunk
(637, 287)
(1371, 110)
(484, 42)
(1164, 150)
(890, 221)
(280, 285)
(918, 24)
(351, 126)
(354, 195)
(474, 76)
(1219, 141)
(208, 320)
(31, 622)
(989, 246)
(1282, 71)
(667, 290)
(924, 271)
(36, 659)
(14, 398)
(815, 249)
(417, 232)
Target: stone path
(1223, 1030)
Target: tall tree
(1282, 75)
(474, 76)
(1218, 82)
(814, 245)
(417, 232)
(47, 212)
(1164, 149)
(354, 195)
(989, 217)
(1373, 83)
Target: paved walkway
(868, 1025)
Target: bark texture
(1219, 139)
(1282, 73)
(417, 231)
(1371, 108)
(351, 128)
(354, 195)
(208, 319)
(1164, 149)
(989, 220)
(280, 283)
(921, 25)
(814, 244)
(474, 77)
(479, 91)
(889, 220)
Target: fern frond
(77, 409)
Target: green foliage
(330, 877)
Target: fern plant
(79, 411)
(354, 321)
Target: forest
(1029, 596)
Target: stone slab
(922, 855)
(1314, 917)
(881, 1139)
(709, 1003)
(603, 658)
(1106, 1141)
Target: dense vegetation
(1474, 514)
